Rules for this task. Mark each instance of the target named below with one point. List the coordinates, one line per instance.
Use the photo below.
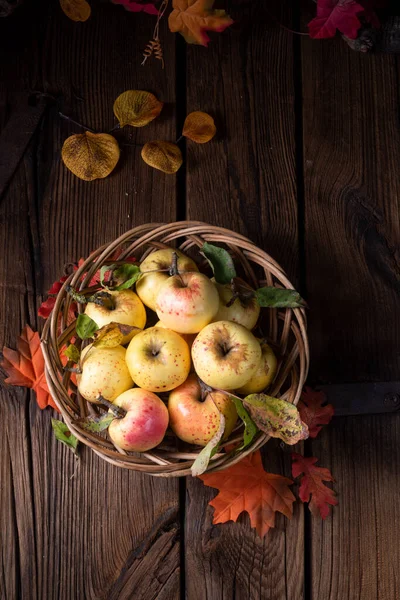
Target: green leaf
(250, 428)
(85, 326)
(96, 424)
(221, 262)
(273, 297)
(277, 418)
(64, 435)
(72, 353)
(127, 274)
(201, 463)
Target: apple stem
(103, 299)
(243, 292)
(173, 270)
(117, 411)
(73, 370)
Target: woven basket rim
(295, 362)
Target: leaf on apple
(112, 334)
(64, 435)
(124, 275)
(85, 326)
(72, 353)
(136, 108)
(277, 418)
(250, 428)
(96, 424)
(201, 463)
(221, 262)
(272, 297)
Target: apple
(104, 373)
(264, 374)
(145, 423)
(188, 337)
(195, 420)
(158, 359)
(225, 355)
(147, 286)
(186, 303)
(123, 307)
(244, 310)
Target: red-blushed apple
(225, 355)
(148, 285)
(186, 303)
(125, 307)
(244, 310)
(104, 373)
(158, 359)
(145, 423)
(265, 372)
(195, 420)
(188, 337)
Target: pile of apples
(201, 348)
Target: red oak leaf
(138, 6)
(311, 484)
(25, 367)
(336, 14)
(314, 411)
(247, 487)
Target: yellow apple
(147, 286)
(158, 359)
(104, 373)
(186, 303)
(145, 423)
(226, 355)
(126, 308)
(188, 337)
(265, 372)
(244, 311)
(196, 421)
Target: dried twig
(154, 47)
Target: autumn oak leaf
(138, 6)
(332, 15)
(314, 411)
(312, 484)
(247, 487)
(192, 18)
(25, 367)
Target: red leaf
(336, 14)
(25, 367)
(138, 6)
(247, 487)
(314, 411)
(311, 484)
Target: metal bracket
(363, 398)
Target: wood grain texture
(352, 224)
(355, 552)
(245, 179)
(78, 529)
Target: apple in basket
(144, 424)
(195, 420)
(244, 309)
(158, 359)
(123, 307)
(104, 373)
(148, 285)
(186, 303)
(225, 355)
(264, 374)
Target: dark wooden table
(306, 163)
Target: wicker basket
(286, 332)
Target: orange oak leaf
(25, 367)
(247, 487)
(314, 411)
(312, 484)
(192, 18)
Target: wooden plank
(355, 552)
(80, 529)
(245, 180)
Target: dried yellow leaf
(136, 108)
(76, 10)
(90, 155)
(199, 127)
(163, 156)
